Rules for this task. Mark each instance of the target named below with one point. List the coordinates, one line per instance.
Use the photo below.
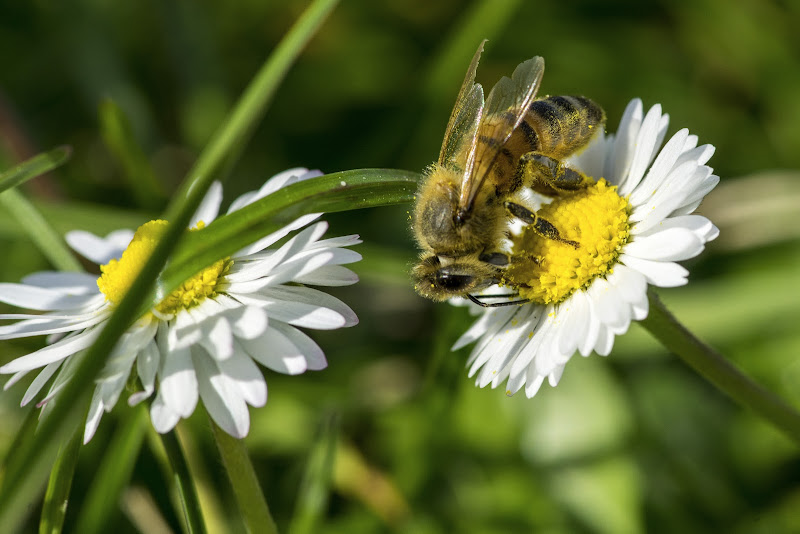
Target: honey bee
(490, 151)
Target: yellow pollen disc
(548, 271)
(118, 275)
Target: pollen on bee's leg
(593, 227)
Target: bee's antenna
(474, 299)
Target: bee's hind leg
(552, 173)
(541, 226)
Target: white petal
(286, 350)
(53, 353)
(208, 209)
(93, 417)
(99, 250)
(514, 336)
(295, 245)
(329, 275)
(278, 181)
(16, 377)
(587, 344)
(658, 273)
(178, 382)
(575, 325)
(147, 364)
(39, 382)
(608, 305)
(303, 306)
(218, 338)
(284, 273)
(247, 377)
(163, 418)
(37, 298)
(484, 323)
(660, 169)
(555, 377)
(672, 244)
(533, 382)
(515, 383)
(631, 284)
(315, 358)
(694, 198)
(531, 348)
(671, 196)
(269, 239)
(222, 399)
(702, 227)
(63, 377)
(337, 242)
(645, 148)
(623, 144)
(605, 341)
(110, 390)
(68, 282)
(700, 154)
(248, 322)
(39, 325)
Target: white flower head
(204, 339)
(632, 224)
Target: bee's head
(438, 281)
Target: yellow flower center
(547, 271)
(118, 275)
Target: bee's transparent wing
(506, 105)
(465, 116)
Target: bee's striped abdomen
(563, 124)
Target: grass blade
(249, 497)
(183, 483)
(56, 497)
(26, 479)
(114, 473)
(118, 136)
(312, 499)
(36, 166)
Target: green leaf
(339, 191)
(36, 166)
(56, 497)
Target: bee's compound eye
(454, 282)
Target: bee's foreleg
(541, 226)
(538, 167)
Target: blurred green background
(635, 442)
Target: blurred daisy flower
(633, 223)
(204, 339)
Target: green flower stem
(719, 371)
(184, 483)
(57, 495)
(114, 472)
(246, 488)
